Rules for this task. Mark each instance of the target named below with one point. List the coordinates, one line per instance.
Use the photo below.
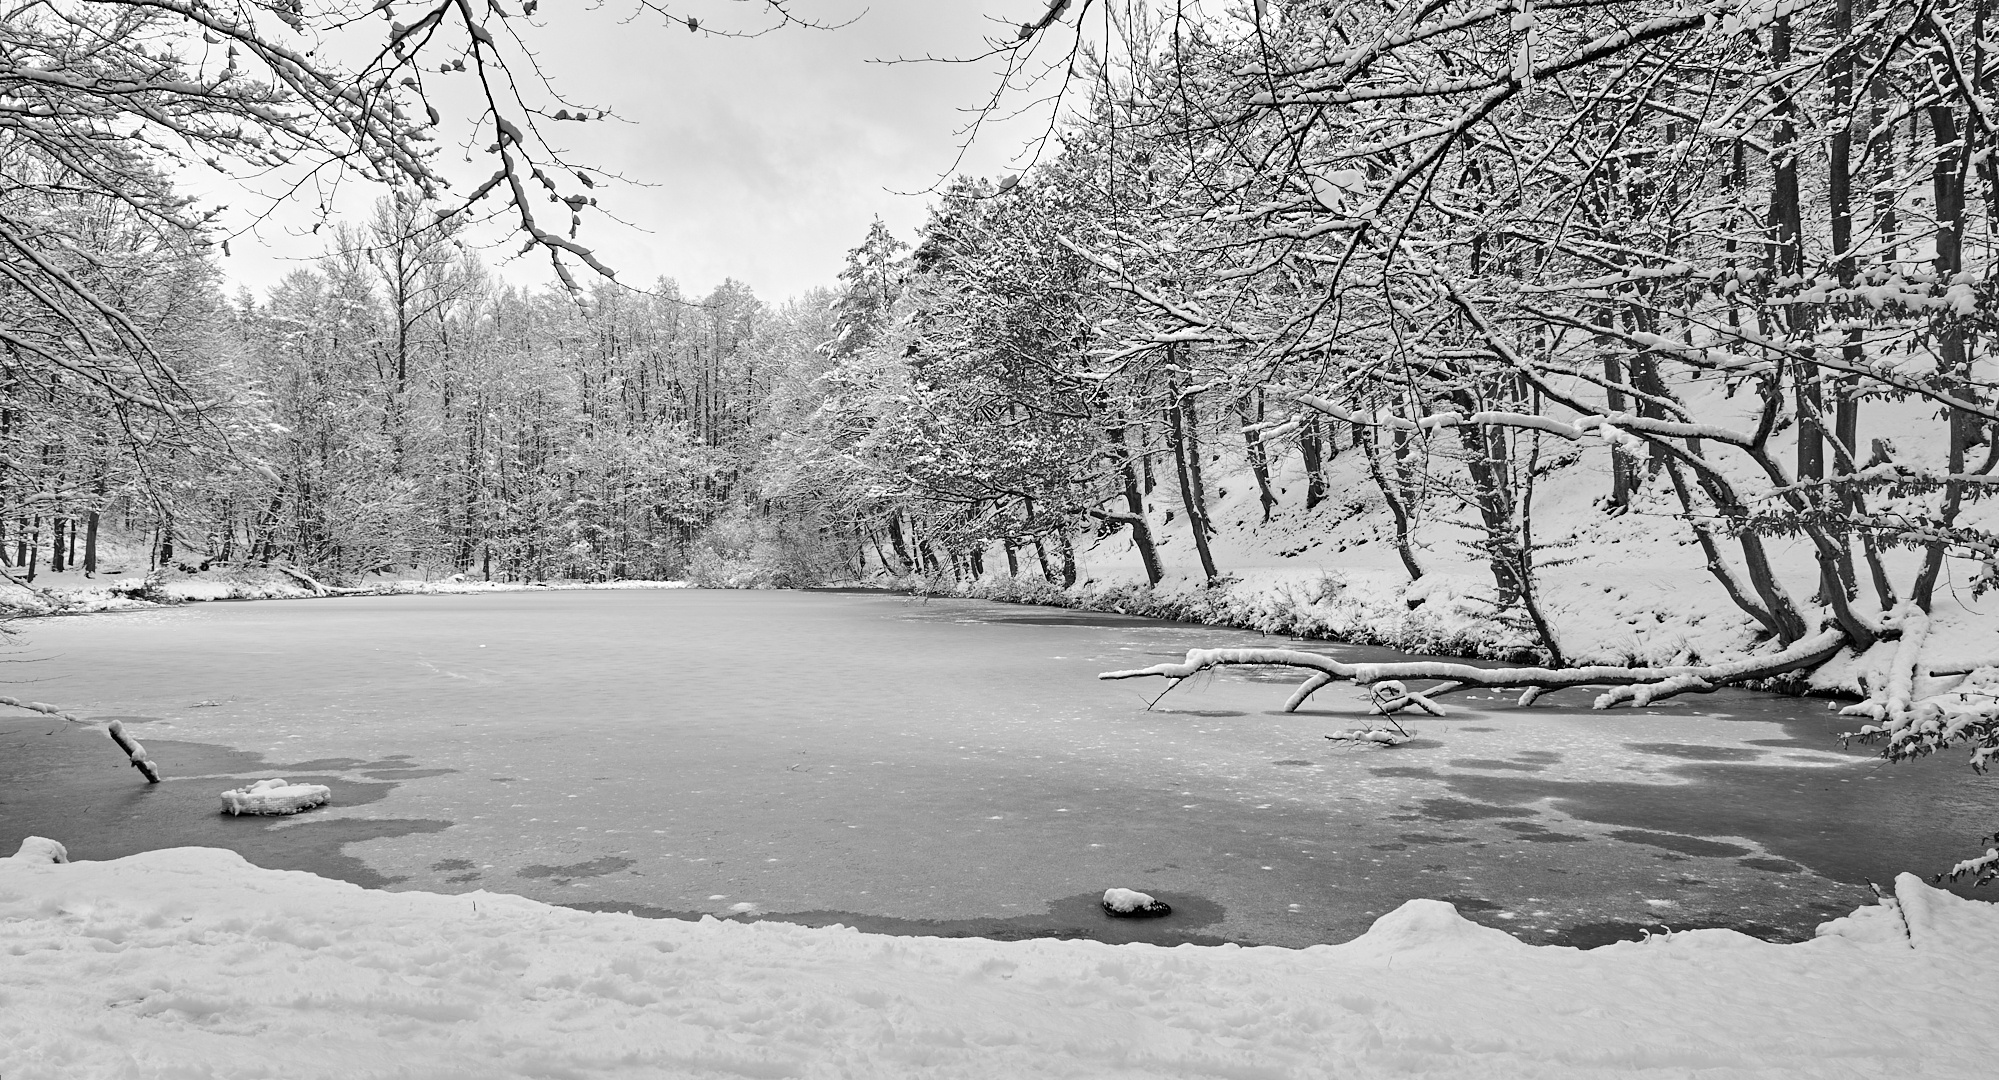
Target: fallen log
(140, 759)
(306, 580)
(1635, 686)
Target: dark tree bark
(1187, 462)
(1134, 499)
(1258, 454)
(1311, 448)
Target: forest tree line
(1741, 251)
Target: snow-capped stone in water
(40, 849)
(1132, 904)
(275, 797)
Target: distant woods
(395, 408)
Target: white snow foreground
(191, 962)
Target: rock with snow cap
(275, 797)
(1132, 904)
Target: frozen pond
(937, 767)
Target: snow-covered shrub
(744, 551)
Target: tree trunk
(896, 541)
(1310, 447)
(1398, 510)
(1259, 456)
(1621, 475)
(1187, 462)
(90, 545)
(1486, 458)
(1134, 499)
(58, 544)
(1947, 185)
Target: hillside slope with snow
(1618, 588)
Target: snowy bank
(191, 963)
(73, 594)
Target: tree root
(1636, 686)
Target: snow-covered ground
(1630, 587)
(71, 592)
(190, 963)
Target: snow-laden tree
(1742, 248)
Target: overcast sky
(768, 157)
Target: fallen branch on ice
(1628, 685)
(41, 707)
(137, 753)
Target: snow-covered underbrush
(72, 594)
(192, 963)
(1437, 619)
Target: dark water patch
(1471, 903)
(445, 865)
(609, 864)
(1468, 727)
(405, 774)
(1774, 866)
(1686, 845)
(1546, 837)
(1062, 617)
(1388, 847)
(1864, 822)
(1079, 917)
(1412, 771)
(1595, 935)
(1460, 810)
(461, 879)
(1494, 763)
(1545, 757)
(73, 786)
(1419, 744)
(1432, 838)
(332, 764)
(503, 779)
(1523, 826)
(1293, 761)
(1691, 752)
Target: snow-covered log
(306, 580)
(40, 707)
(1633, 685)
(141, 760)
